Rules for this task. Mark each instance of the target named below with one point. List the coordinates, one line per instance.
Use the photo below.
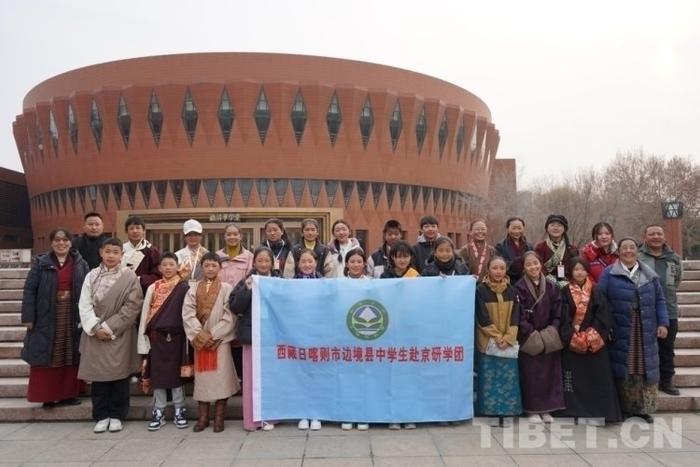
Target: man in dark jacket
(139, 254)
(88, 244)
(656, 254)
(423, 249)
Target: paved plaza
(673, 440)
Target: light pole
(672, 212)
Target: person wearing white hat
(190, 256)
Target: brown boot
(203, 420)
(219, 415)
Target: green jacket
(669, 268)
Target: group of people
(597, 327)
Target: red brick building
(245, 136)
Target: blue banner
(387, 350)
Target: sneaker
(267, 426)
(535, 418)
(395, 426)
(599, 421)
(494, 421)
(101, 426)
(115, 425)
(157, 420)
(181, 417)
(363, 426)
(315, 425)
(409, 426)
(547, 418)
(346, 426)
(303, 424)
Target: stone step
(12, 333)
(19, 410)
(13, 368)
(687, 357)
(15, 284)
(10, 349)
(689, 324)
(687, 377)
(689, 286)
(685, 298)
(20, 273)
(11, 294)
(10, 306)
(689, 311)
(692, 265)
(688, 340)
(691, 275)
(10, 319)
(16, 386)
(689, 400)
(13, 387)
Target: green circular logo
(367, 320)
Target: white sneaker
(303, 424)
(267, 426)
(115, 425)
(494, 421)
(395, 426)
(363, 426)
(547, 418)
(101, 426)
(535, 418)
(346, 426)
(315, 425)
(409, 426)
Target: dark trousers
(666, 354)
(110, 399)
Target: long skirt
(59, 381)
(221, 383)
(636, 396)
(589, 387)
(541, 382)
(498, 386)
(53, 384)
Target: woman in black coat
(589, 387)
(50, 314)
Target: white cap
(192, 225)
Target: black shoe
(669, 389)
(48, 405)
(71, 401)
(646, 417)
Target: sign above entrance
(225, 217)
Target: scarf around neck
(447, 268)
(104, 280)
(207, 293)
(558, 251)
(539, 293)
(162, 288)
(581, 296)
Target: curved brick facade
(224, 136)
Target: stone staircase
(687, 377)
(14, 372)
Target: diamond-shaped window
(347, 187)
(262, 115)
(53, 131)
(281, 185)
(298, 189)
(333, 118)
(442, 133)
(124, 120)
(227, 185)
(331, 190)
(403, 194)
(155, 118)
(73, 128)
(314, 191)
(366, 121)
(460, 139)
(390, 192)
(377, 188)
(117, 190)
(96, 124)
(189, 116)
(298, 116)
(161, 189)
(225, 115)
(472, 144)
(245, 185)
(131, 193)
(210, 189)
(263, 185)
(395, 125)
(193, 188)
(362, 189)
(421, 129)
(177, 187)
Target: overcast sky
(568, 83)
